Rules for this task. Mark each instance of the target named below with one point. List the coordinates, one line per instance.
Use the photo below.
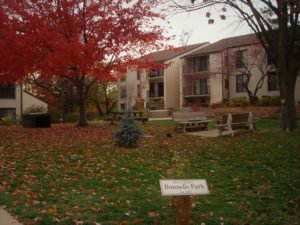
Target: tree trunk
(82, 116)
(288, 115)
(98, 106)
(287, 71)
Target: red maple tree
(84, 41)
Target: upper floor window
(240, 60)
(273, 83)
(240, 82)
(7, 91)
(200, 64)
(123, 92)
(270, 60)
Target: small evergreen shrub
(128, 133)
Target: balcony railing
(154, 95)
(191, 69)
(154, 74)
(193, 92)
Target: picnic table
(190, 121)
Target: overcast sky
(202, 31)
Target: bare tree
(276, 25)
(255, 68)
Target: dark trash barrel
(37, 120)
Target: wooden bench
(117, 116)
(236, 121)
(190, 121)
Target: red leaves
(97, 36)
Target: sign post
(183, 190)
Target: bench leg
(230, 130)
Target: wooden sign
(181, 187)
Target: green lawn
(68, 175)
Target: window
(240, 82)
(123, 107)
(270, 60)
(200, 87)
(160, 89)
(138, 75)
(138, 90)
(273, 83)
(8, 112)
(123, 78)
(123, 92)
(152, 90)
(226, 83)
(7, 91)
(200, 64)
(226, 62)
(240, 59)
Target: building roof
(231, 42)
(165, 55)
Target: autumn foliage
(84, 41)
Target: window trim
(270, 87)
(240, 58)
(8, 91)
(237, 87)
(201, 63)
(123, 92)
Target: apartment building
(157, 87)
(220, 70)
(14, 101)
(202, 75)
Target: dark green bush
(128, 133)
(239, 101)
(55, 115)
(72, 117)
(269, 101)
(225, 101)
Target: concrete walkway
(6, 219)
(209, 133)
(157, 119)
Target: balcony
(153, 95)
(189, 69)
(191, 91)
(155, 74)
